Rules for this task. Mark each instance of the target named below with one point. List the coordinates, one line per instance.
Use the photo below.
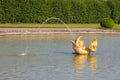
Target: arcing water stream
(52, 18)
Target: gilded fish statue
(80, 48)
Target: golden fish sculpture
(79, 47)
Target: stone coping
(30, 31)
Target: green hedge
(107, 23)
(70, 11)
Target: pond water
(50, 58)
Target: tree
(96, 10)
(114, 9)
(78, 11)
(1, 13)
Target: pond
(50, 58)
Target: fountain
(79, 47)
(52, 18)
(55, 18)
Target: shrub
(107, 23)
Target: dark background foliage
(70, 11)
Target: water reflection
(80, 61)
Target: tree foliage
(70, 11)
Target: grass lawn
(30, 25)
(116, 27)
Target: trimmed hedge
(107, 23)
(70, 11)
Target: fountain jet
(52, 18)
(55, 18)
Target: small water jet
(22, 54)
(55, 18)
(52, 18)
(26, 52)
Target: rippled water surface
(50, 58)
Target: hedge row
(70, 11)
